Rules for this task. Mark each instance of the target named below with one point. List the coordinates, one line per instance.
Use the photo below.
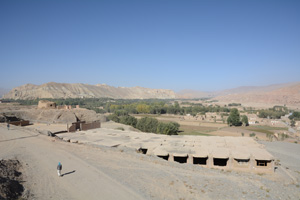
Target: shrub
(128, 120)
(147, 124)
(170, 128)
(252, 135)
(114, 117)
(121, 112)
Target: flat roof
(197, 146)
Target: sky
(204, 45)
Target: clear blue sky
(188, 44)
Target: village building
(228, 153)
(46, 104)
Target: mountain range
(288, 93)
(79, 90)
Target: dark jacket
(59, 167)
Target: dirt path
(81, 180)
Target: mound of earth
(10, 179)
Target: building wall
(46, 104)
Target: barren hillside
(79, 90)
(288, 94)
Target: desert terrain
(93, 172)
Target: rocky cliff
(79, 90)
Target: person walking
(7, 126)
(59, 168)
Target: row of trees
(150, 106)
(147, 124)
(273, 113)
(163, 108)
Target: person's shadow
(68, 173)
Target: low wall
(87, 126)
(82, 126)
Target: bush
(252, 135)
(114, 117)
(147, 124)
(170, 128)
(121, 112)
(295, 116)
(128, 120)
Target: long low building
(230, 153)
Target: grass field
(196, 130)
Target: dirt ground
(10, 180)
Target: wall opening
(222, 162)
(200, 160)
(242, 161)
(164, 157)
(142, 150)
(262, 162)
(12, 119)
(180, 159)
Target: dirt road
(40, 156)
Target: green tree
(128, 120)
(234, 118)
(114, 118)
(143, 108)
(170, 128)
(147, 124)
(245, 120)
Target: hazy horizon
(197, 45)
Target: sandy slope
(113, 173)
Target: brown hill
(288, 94)
(79, 90)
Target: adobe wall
(83, 126)
(93, 125)
(46, 104)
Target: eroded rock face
(79, 90)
